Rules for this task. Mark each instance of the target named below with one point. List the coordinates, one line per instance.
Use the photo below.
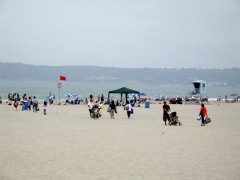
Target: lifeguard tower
(199, 88)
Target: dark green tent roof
(122, 91)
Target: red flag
(63, 78)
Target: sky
(124, 34)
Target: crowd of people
(94, 107)
(25, 102)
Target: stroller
(173, 120)
(96, 111)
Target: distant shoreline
(111, 75)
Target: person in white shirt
(128, 107)
(35, 104)
(90, 106)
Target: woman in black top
(113, 109)
(166, 109)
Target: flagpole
(62, 78)
(59, 97)
(59, 87)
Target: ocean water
(42, 89)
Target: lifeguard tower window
(196, 85)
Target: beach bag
(199, 118)
(109, 109)
(132, 111)
(207, 120)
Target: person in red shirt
(203, 113)
(15, 104)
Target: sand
(67, 144)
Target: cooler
(147, 104)
(25, 105)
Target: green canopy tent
(122, 91)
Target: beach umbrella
(70, 95)
(143, 98)
(143, 94)
(132, 95)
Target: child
(45, 107)
(15, 104)
(29, 103)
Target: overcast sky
(124, 33)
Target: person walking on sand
(45, 107)
(166, 110)
(128, 107)
(29, 103)
(112, 109)
(203, 114)
(102, 98)
(35, 104)
(90, 106)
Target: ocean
(42, 89)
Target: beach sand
(67, 144)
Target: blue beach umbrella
(143, 94)
(70, 95)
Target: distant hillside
(108, 75)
